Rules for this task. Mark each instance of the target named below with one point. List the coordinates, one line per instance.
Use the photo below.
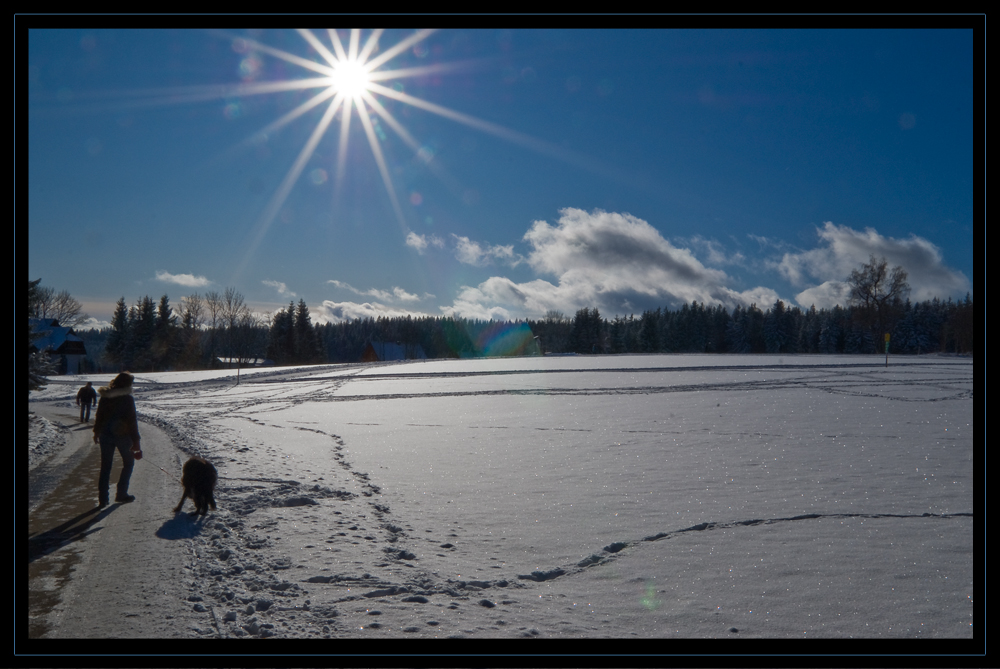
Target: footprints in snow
(609, 551)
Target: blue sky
(516, 171)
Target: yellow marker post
(887, 349)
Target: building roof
(382, 351)
(60, 339)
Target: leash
(160, 468)
(221, 478)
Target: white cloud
(615, 262)
(280, 287)
(92, 323)
(534, 297)
(713, 251)
(468, 252)
(342, 284)
(825, 296)
(404, 296)
(844, 249)
(335, 312)
(420, 242)
(472, 253)
(187, 280)
(397, 293)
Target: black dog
(198, 480)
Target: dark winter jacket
(116, 414)
(87, 395)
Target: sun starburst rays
(351, 76)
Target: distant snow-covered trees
(150, 336)
(292, 338)
(697, 328)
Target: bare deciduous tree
(47, 303)
(192, 312)
(878, 293)
(241, 333)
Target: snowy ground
(689, 496)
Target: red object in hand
(137, 453)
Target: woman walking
(117, 428)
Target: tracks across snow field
(609, 496)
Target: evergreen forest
(221, 331)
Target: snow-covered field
(620, 496)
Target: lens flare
(507, 339)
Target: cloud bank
(615, 262)
(844, 249)
(623, 265)
(336, 312)
(467, 251)
(397, 294)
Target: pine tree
(808, 337)
(736, 339)
(307, 349)
(164, 345)
(588, 330)
(774, 329)
(719, 321)
(649, 331)
(754, 329)
(281, 338)
(142, 325)
(963, 325)
(116, 346)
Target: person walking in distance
(116, 427)
(85, 397)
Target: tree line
(147, 337)
(879, 318)
(922, 327)
(205, 334)
(220, 330)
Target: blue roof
(54, 335)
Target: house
(230, 363)
(65, 348)
(380, 351)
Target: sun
(351, 80)
(347, 85)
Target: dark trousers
(109, 443)
(85, 407)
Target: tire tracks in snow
(846, 388)
(856, 379)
